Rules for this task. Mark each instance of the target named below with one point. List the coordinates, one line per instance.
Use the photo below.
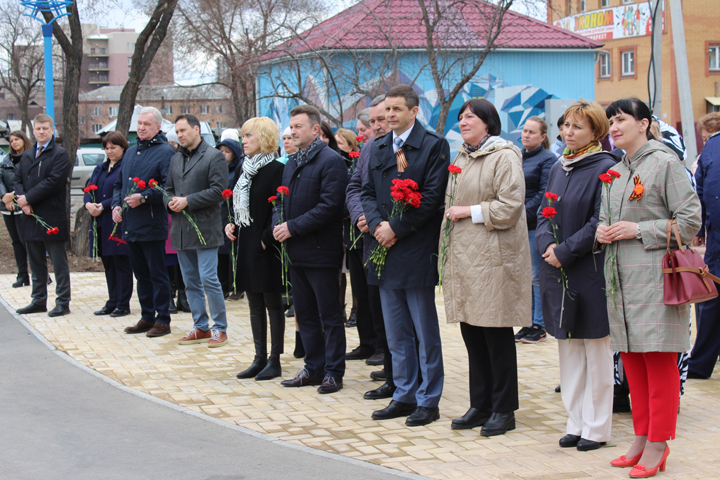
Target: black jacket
(234, 171)
(148, 159)
(578, 213)
(43, 181)
(536, 168)
(412, 261)
(314, 208)
(7, 176)
(105, 181)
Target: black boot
(256, 367)
(22, 281)
(272, 370)
(182, 302)
(299, 349)
(172, 309)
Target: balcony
(98, 52)
(99, 80)
(99, 67)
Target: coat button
(384, 174)
(138, 153)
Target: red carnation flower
(56, 230)
(551, 196)
(414, 199)
(354, 154)
(227, 193)
(283, 190)
(272, 199)
(397, 196)
(136, 179)
(141, 184)
(50, 231)
(153, 183)
(86, 189)
(605, 178)
(454, 169)
(613, 173)
(359, 138)
(549, 212)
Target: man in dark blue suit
(407, 282)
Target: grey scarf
(241, 192)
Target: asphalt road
(59, 420)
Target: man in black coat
(316, 177)
(40, 188)
(145, 221)
(407, 282)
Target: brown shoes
(217, 339)
(301, 379)
(195, 336)
(158, 330)
(142, 326)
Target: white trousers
(586, 380)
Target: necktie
(39, 152)
(400, 156)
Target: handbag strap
(673, 228)
(703, 272)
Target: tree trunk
(79, 238)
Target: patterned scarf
(241, 192)
(472, 149)
(301, 156)
(571, 157)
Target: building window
(129, 61)
(204, 109)
(81, 120)
(714, 58)
(185, 110)
(582, 5)
(604, 3)
(604, 65)
(11, 116)
(97, 127)
(220, 125)
(628, 63)
(101, 51)
(168, 109)
(96, 111)
(628, 1)
(220, 108)
(569, 7)
(131, 46)
(113, 111)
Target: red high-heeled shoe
(623, 461)
(639, 471)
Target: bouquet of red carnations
(91, 190)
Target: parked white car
(85, 162)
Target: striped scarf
(241, 192)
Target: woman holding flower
(112, 250)
(653, 188)
(258, 264)
(572, 285)
(486, 278)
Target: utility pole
(683, 79)
(656, 39)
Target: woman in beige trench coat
(653, 187)
(487, 283)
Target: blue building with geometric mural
(342, 63)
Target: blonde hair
(543, 130)
(710, 123)
(266, 131)
(595, 115)
(349, 137)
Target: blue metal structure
(55, 7)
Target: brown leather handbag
(686, 278)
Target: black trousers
(11, 223)
(153, 284)
(493, 368)
(319, 316)
(119, 277)
(379, 324)
(358, 281)
(38, 266)
(273, 303)
(225, 272)
(707, 340)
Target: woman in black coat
(112, 251)
(19, 142)
(258, 264)
(586, 366)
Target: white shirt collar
(404, 136)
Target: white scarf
(241, 192)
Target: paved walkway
(203, 380)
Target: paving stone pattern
(203, 380)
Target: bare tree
(146, 46)
(21, 58)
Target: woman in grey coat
(652, 189)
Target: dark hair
(633, 107)
(327, 131)
(26, 141)
(485, 112)
(116, 138)
(407, 92)
(561, 121)
(192, 120)
(312, 113)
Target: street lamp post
(55, 7)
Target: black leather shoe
(330, 385)
(256, 367)
(272, 370)
(104, 311)
(32, 308)
(301, 379)
(379, 376)
(383, 391)
(423, 416)
(586, 445)
(358, 354)
(172, 309)
(557, 389)
(182, 302)
(569, 440)
(394, 410)
(120, 312)
(59, 311)
(696, 375)
(377, 359)
(498, 424)
(21, 282)
(473, 418)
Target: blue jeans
(199, 271)
(535, 259)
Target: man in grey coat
(196, 179)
